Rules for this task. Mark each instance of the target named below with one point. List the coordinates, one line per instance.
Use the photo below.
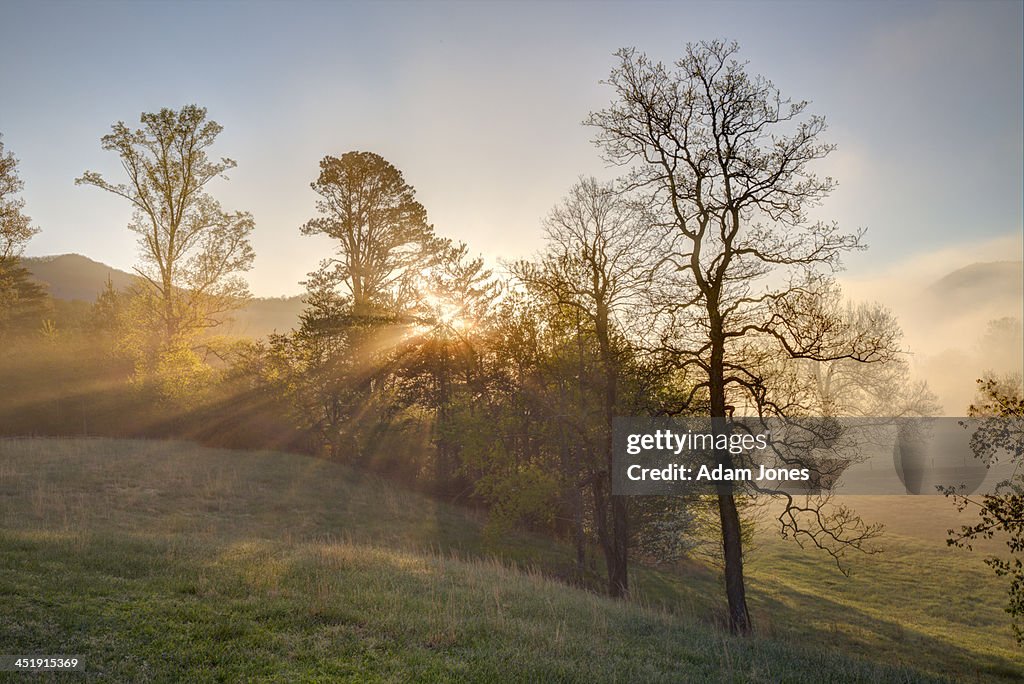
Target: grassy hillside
(162, 561)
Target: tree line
(696, 284)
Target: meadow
(167, 561)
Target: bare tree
(725, 160)
(844, 387)
(598, 261)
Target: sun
(446, 313)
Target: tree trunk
(618, 554)
(601, 522)
(578, 531)
(618, 570)
(613, 540)
(571, 474)
(168, 302)
(445, 466)
(732, 541)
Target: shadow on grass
(827, 623)
(202, 503)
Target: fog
(947, 302)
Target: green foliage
(999, 435)
(108, 311)
(191, 250)
(525, 496)
(23, 303)
(181, 371)
(162, 560)
(315, 370)
(180, 376)
(667, 529)
(15, 227)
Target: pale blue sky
(479, 104)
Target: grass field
(163, 561)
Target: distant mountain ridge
(982, 274)
(992, 284)
(981, 284)
(73, 276)
(76, 277)
(265, 315)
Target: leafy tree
(525, 434)
(107, 311)
(999, 434)
(15, 227)
(532, 435)
(383, 238)
(439, 362)
(23, 303)
(725, 160)
(192, 251)
(361, 303)
(598, 263)
(314, 368)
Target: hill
(992, 283)
(166, 561)
(75, 277)
(989, 287)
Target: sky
(480, 105)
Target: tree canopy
(191, 250)
(383, 238)
(22, 302)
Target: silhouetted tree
(383, 238)
(314, 369)
(439, 362)
(724, 159)
(528, 434)
(107, 312)
(845, 387)
(23, 303)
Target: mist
(947, 301)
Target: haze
(480, 106)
